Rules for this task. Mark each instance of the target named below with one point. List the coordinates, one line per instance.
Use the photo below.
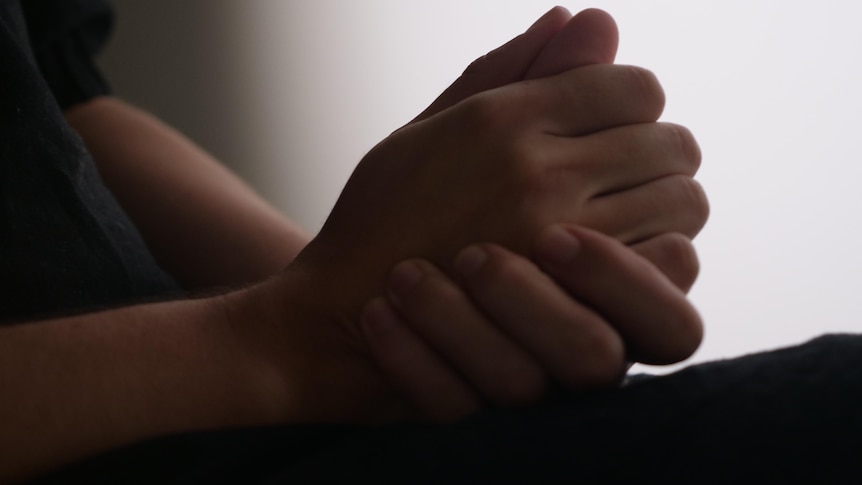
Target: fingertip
(557, 245)
(590, 37)
(378, 318)
(674, 255)
(403, 278)
(470, 259)
(598, 15)
(687, 334)
(502, 66)
(691, 335)
(555, 16)
(604, 23)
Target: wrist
(251, 319)
(306, 362)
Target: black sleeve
(787, 416)
(65, 36)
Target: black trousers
(788, 416)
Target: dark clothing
(65, 243)
(65, 35)
(789, 416)
(786, 416)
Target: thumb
(504, 65)
(590, 37)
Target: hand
(578, 147)
(555, 43)
(505, 329)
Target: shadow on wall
(183, 61)
(279, 91)
(289, 94)
(200, 65)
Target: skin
(512, 327)
(206, 228)
(510, 330)
(578, 148)
(555, 43)
(551, 161)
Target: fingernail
(470, 260)
(379, 318)
(542, 19)
(557, 245)
(404, 277)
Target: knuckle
(686, 146)
(691, 203)
(698, 203)
(488, 112)
(533, 175)
(533, 181)
(476, 67)
(680, 252)
(646, 88)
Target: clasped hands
(538, 220)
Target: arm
(105, 377)
(203, 225)
(290, 349)
(79, 385)
(208, 229)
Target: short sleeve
(65, 36)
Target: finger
(621, 158)
(590, 37)
(571, 341)
(673, 255)
(676, 203)
(502, 66)
(655, 320)
(588, 99)
(445, 318)
(436, 391)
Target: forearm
(75, 386)
(203, 224)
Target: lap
(789, 414)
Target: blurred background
(291, 94)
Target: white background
(291, 94)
